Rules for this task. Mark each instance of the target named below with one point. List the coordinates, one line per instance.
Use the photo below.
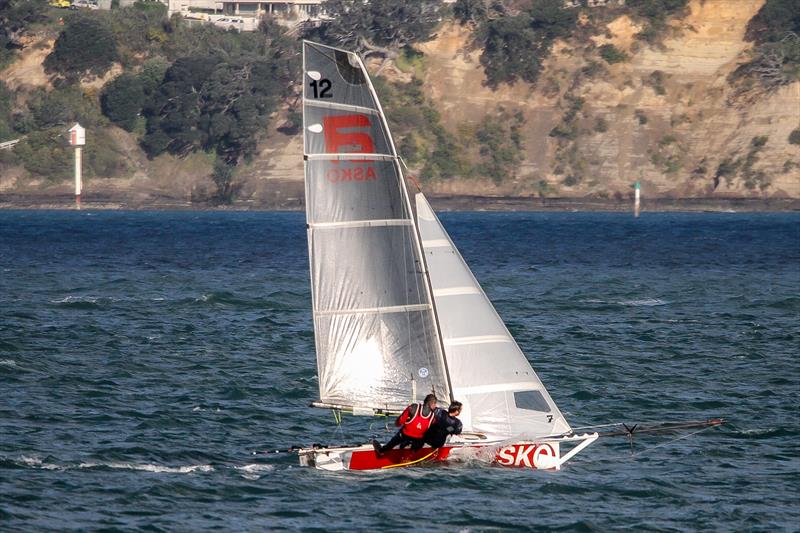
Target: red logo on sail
(342, 136)
(529, 455)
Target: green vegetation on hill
(516, 37)
(500, 142)
(424, 144)
(184, 88)
(732, 167)
(188, 87)
(85, 46)
(16, 17)
(775, 58)
(515, 44)
(655, 14)
(491, 150)
(6, 102)
(377, 27)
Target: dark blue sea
(145, 357)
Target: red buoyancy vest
(418, 424)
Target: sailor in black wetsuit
(444, 424)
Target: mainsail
(502, 395)
(376, 337)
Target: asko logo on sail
(340, 138)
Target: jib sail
(502, 395)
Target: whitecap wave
(35, 461)
(75, 299)
(254, 471)
(644, 302)
(149, 467)
(757, 431)
(8, 362)
(199, 409)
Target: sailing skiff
(397, 312)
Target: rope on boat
(409, 463)
(613, 424)
(672, 440)
(651, 448)
(657, 427)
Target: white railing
(9, 144)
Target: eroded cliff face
(665, 117)
(668, 113)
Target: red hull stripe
(367, 460)
(515, 455)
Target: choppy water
(145, 356)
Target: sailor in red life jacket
(413, 422)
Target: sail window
(348, 68)
(531, 400)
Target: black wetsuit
(442, 426)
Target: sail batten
(375, 310)
(350, 157)
(376, 338)
(483, 339)
(362, 223)
(455, 291)
(343, 107)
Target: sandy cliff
(669, 113)
(689, 119)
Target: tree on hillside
(86, 45)
(174, 114)
(515, 45)
(15, 18)
(212, 103)
(62, 107)
(773, 21)
(509, 43)
(378, 27)
(775, 60)
(122, 100)
(655, 14)
(470, 11)
(139, 29)
(6, 104)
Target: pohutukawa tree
(379, 27)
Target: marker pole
(78, 184)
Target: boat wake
(149, 467)
(248, 471)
